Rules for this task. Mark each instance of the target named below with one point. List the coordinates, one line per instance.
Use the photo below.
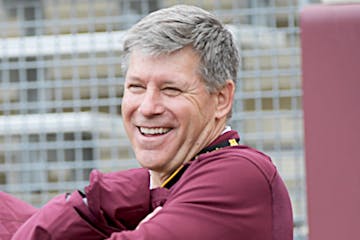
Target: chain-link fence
(61, 90)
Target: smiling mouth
(153, 131)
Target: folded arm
(111, 203)
(220, 200)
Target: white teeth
(144, 130)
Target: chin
(151, 164)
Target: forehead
(183, 63)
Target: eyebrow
(133, 78)
(167, 81)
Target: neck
(207, 136)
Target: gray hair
(170, 29)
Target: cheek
(127, 105)
(124, 103)
(203, 108)
(127, 113)
(193, 116)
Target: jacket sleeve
(112, 202)
(228, 199)
(13, 213)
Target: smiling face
(168, 113)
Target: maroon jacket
(13, 213)
(230, 193)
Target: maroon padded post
(330, 39)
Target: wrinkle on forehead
(168, 67)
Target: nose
(151, 103)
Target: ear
(225, 100)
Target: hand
(149, 216)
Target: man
(197, 182)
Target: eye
(171, 91)
(136, 88)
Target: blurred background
(61, 89)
